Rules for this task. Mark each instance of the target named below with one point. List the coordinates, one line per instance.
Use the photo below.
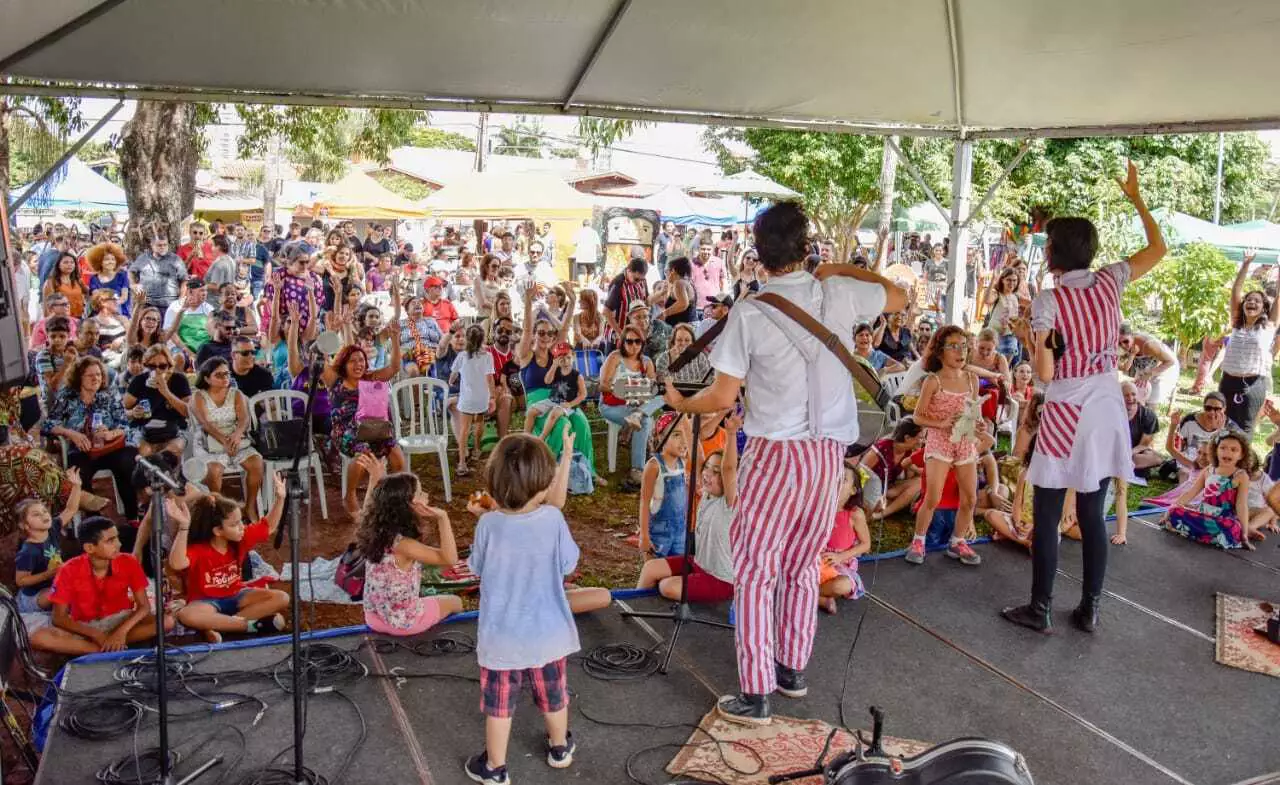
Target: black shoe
(1085, 617)
(561, 757)
(745, 709)
(1036, 616)
(791, 682)
(477, 768)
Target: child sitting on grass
(40, 555)
(521, 553)
(1221, 517)
(711, 574)
(849, 539)
(99, 598)
(395, 511)
(210, 547)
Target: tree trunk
(271, 182)
(159, 153)
(888, 185)
(4, 151)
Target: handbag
(107, 447)
(349, 575)
(372, 406)
(276, 440)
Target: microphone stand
(161, 483)
(682, 612)
(297, 494)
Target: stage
(1140, 702)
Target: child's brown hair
(520, 468)
(25, 506)
(207, 513)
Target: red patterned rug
(1238, 645)
(748, 755)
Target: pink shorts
(429, 614)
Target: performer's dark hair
(1072, 243)
(782, 236)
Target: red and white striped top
(1085, 309)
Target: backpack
(581, 481)
(349, 576)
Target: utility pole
(1217, 186)
(482, 141)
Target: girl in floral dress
(390, 542)
(1221, 517)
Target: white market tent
(976, 68)
(76, 187)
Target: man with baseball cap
(186, 318)
(717, 308)
(436, 306)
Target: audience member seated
(419, 337)
(40, 553)
(54, 362)
(222, 329)
(111, 326)
(220, 435)
(1221, 516)
(890, 484)
(838, 569)
(627, 366)
(236, 308)
(711, 570)
(1143, 426)
(698, 371)
(249, 377)
(875, 359)
(657, 334)
(345, 377)
(55, 307)
(157, 403)
(99, 598)
(1193, 432)
(1015, 523)
(186, 321)
(210, 548)
(87, 414)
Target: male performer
(797, 433)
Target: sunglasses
(245, 352)
(1214, 409)
(543, 334)
(633, 341)
(163, 367)
(507, 332)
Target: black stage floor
(1140, 702)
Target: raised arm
(729, 463)
(524, 349)
(562, 328)
(1141, 262)
(895, 299)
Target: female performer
(1076, 334)
(793, 464)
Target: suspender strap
(698, 346)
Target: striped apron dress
(1084, 433)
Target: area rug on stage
(785, 745)
(1238, 645)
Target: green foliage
(1185, 297)
(524, 138)
(597, 133)
(400, 183)
(426, 136)
(721, 141)
(36, 131)
(321, 140)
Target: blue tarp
(75, 187)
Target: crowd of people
(163, 355)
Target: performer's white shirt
(753, 348)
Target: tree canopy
(426, 136)
(322, 140)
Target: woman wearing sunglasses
(1075, 334)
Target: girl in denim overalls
(663, 494)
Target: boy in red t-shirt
(217, 600)
(99, 597)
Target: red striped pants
(786, 505)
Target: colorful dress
(1213, 521)
(345, 402)
(937, 442)
(842, 538)
(391, 601)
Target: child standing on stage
(664, 499)
(1221, 517)
(521, 553)
(849, 540)
(389, 540)
(219, 541)
(943, 399)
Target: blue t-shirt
(521, 560)
(34, 557)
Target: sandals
(463, 469)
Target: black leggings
(120, 463)
(1245, 396)
(1046, 509)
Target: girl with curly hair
(391, 543)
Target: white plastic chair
(275, 406)
(87, 483)
(232, 472)
(420, 421)
(615, 431)
(1009, 423)
(892, 383)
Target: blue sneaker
(477, 768)
(561, 757)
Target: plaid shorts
(499, 689)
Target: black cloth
(684, 317)
(257, 380)
(935, 273)
(564, 387)
(898, 347)
(1245, 396)
(160, 408)
(357, 247)
(740, 290)
(378, 248)
(345, 284)
(1143, 423)
(1046, 510)
(213, 349)
(120, 463)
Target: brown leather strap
(698, 346)
(861, 374)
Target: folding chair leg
(119, 501)
(444, 472)
(324, 503)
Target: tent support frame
(919, 178)
(596, 51)
(71, 151)
(999, 181)
(57, 34)
(961, 187)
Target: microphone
(159, 474)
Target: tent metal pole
(1004, 175)
(919, 178)
(961, 185)
(1217, 183)
(957, 81)
(71, 151)
(58, 33)
(596, 51)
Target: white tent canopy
(975, 66)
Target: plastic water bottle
(733, 616)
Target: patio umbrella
(748, 184)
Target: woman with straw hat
(107, 260)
